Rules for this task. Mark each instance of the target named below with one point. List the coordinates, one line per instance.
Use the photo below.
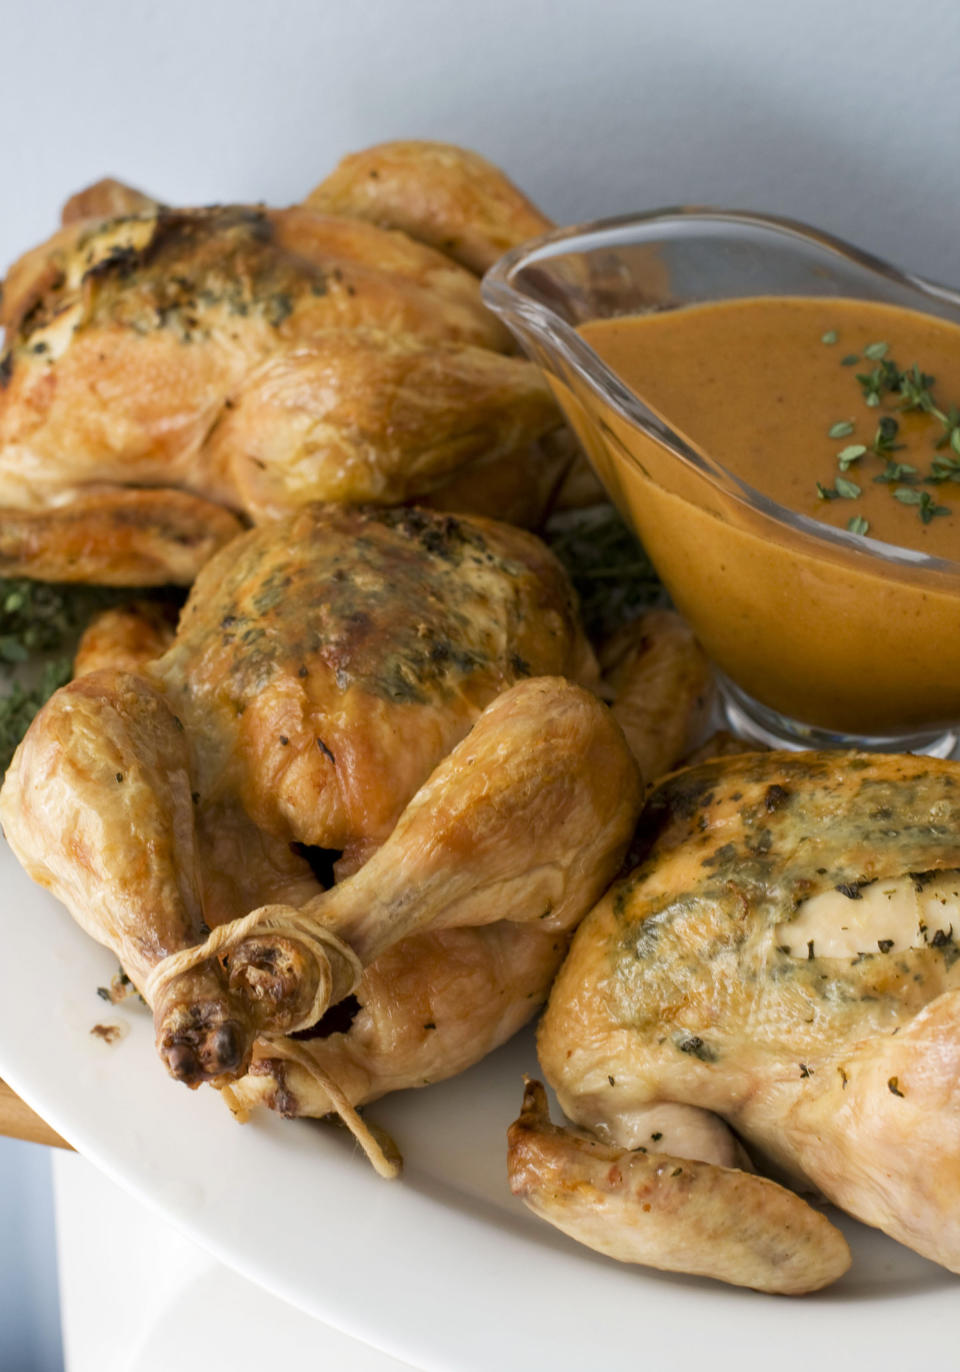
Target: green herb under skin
(830, 337)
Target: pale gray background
(845, 113)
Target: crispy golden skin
(446, 196)
(323, 668)
(661, 687)
(784, 958)
(116, 535)
(364, 415)
(252, 359)
(126, 637)
(106, 199)
(365, 603)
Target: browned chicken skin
(323, 671)
(449, 197)
(783, 959)
(167, 371)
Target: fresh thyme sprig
(909, 495)
(610, 571)
(40, 624)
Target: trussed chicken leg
(433, 1003)
(544, 760)
(131, 882)
(323, 667)
(527, 819)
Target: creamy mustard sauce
(828, 636)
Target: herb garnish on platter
(40, 624)
(610, 571)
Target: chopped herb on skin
(829, 337)
(826, 492)
(858, 525)
(850, 360)
(846, 489)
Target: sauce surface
(753, 383)
(830, 635)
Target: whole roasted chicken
(170, 374)
(364, 761)
(780, 967)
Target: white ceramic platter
(442, 1269)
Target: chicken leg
(545, 761)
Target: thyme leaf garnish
(842, 429)
(909, 495)
(847, 456)
(875, 351)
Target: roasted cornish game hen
(378, 702)
(781, 963)
(172, 373)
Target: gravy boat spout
(822, 637)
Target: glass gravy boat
(822, 638)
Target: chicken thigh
(782, 962)
(367, 723)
